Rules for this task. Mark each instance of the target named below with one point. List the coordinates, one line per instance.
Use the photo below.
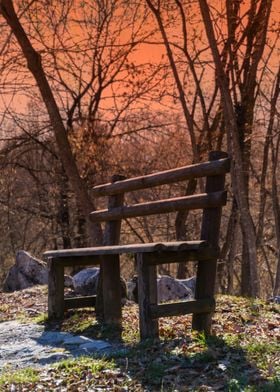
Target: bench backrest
(211, 201)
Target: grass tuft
(22, 376)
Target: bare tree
(79, 59)
(239, 127)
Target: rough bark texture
(34, 64)
(238, 175)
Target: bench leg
(147, 296)
(111, 282)
(55, 290)
(205, 288)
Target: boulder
(189, 283)
(275, 299)
(85, 282)
(168, 288)
(26, 272)
(132, 289)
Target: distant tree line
(81, 102)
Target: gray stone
(68, 281)
(85, 282)
(52, 358)
(168, 288)
(26, 272)
(50, 337)
(275, 299)
(78, 352)
(189, 283)
(75, 340)
(24, 345)
(131, 288)
(95, 345)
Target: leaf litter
(243, 353)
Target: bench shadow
(189, 363)
(171, 366)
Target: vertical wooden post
(110, 265)
(206, 270)
(55, 290)
(147, 296)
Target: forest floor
(242, 355)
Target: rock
(29, 345)
(95, 345)
(27, 272)
(168, 288)
(275, 299)
(132, 293)
(189, 283)
(85, 282)
(68, 281)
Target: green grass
(22, 376)
(239, 385)
(40, 319)
(264, 355)
(232, 340)
(242, 355)
(78, 365)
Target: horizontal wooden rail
(204, 200)
(79, 302)
(211, 168)
(92, 255)
(69, 258)
(179, 308)
(166, 257)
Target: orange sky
(154, 53)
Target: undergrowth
(242, 355)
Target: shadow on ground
(189, 363)
(216, 366)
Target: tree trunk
(35, 66)
(238, 176)
(276, 210)
(225, 264)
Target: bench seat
(189, 249)
(155, 254)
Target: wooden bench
(205, 250)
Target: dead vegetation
(242, 354)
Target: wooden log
(75, 257)
(204, 200)
(55, 290)
(92, 254)
(165, 177)
(157, 253)
(181, 308)
(206, 272)
(111, 290)
(79, 302)
(109, 307)
(147, 297)
(166, 257)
